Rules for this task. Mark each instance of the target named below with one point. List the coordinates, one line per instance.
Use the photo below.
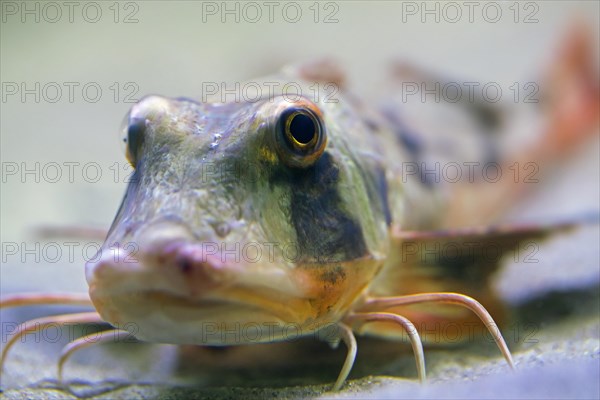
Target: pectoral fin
(460, 261)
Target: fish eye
(300, 136)
(133, 136)
(301, 129)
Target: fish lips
(177, 290)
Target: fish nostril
(222, 229)
(184, 264)
(190, 261)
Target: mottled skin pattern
(215, 228)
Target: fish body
(227, 233)
(225, 227)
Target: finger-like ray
(87, 341)
(37, 299)
(38, 324)
(381, 303)
(408, 326)
(350, 341)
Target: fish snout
(161, 257)
(195, 265)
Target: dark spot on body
(377, 189)
(334, 275)
(406, 138)
(411, 142)
(325, 231)
(372, 125)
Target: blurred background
(70, 73)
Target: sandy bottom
(555, 341)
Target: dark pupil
(302, 128)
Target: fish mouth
(175, 291)
(161, 317)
